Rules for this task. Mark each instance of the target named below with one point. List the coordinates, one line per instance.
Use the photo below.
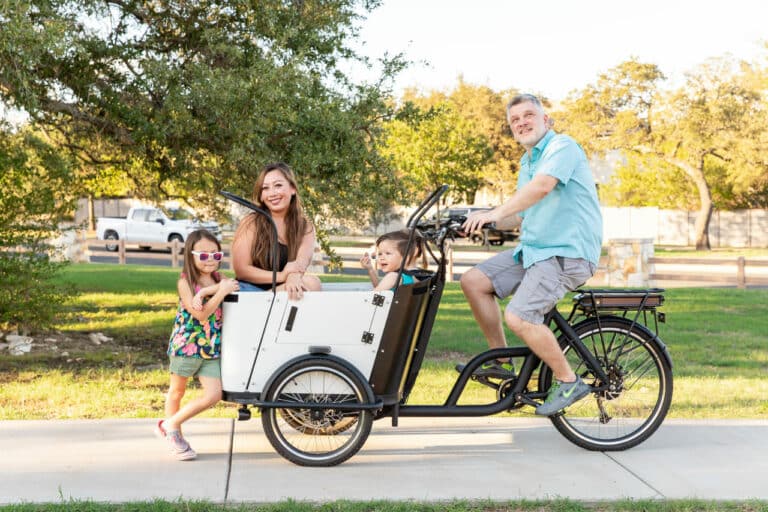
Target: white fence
(738, 228)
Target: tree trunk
(701, 227)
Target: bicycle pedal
(486, 382)
(527, 401)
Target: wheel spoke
(318, 437)
(634, 401)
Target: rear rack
(592, 303)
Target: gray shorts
(538, 288)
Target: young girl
(390, 250)
(195, 342)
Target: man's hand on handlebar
(479, 219)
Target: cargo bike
(323, 368)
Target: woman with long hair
(275, 191)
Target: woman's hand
(294, 266)
(229, 285)
(294, 285)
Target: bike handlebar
(450, 227)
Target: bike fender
(637, 326)
(317, 355)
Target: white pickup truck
(147, 224)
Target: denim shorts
(245, 286)
(538, 288)
(195, 366)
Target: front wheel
(636, 397)
(318, 437)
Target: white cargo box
(262, 331)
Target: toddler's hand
(365, 261)
(197, 302)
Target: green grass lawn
(716, 337)
(555, 505)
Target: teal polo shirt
(566, 222)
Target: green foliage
(32, 178)
(440, 147)
(28, 301)
(712, 129)
(290, 505)
(485, 110)
(644, 180)
(179, 100)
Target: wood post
(175, 253)
(741, 280)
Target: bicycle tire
(318, 437)
(641, 373)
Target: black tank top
(283, 260)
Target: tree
(32, 205)
(439, 148)
(485, 110)
(181, 99)
(707, 126)
(644, 180)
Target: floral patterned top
(190, 337)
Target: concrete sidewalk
(422, 459)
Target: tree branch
(59, 107)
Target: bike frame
(517, 394)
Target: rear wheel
(111, 235)
(639, 390)
(318, 437)
(476, 237)
(180, 239)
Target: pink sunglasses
(203, 256)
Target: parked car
(494, 236)
(148, 224)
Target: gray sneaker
(561, 395)
(492, 370)
(179, 446)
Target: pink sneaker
(179, 446)
(159, 430)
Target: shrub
(34, 179)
